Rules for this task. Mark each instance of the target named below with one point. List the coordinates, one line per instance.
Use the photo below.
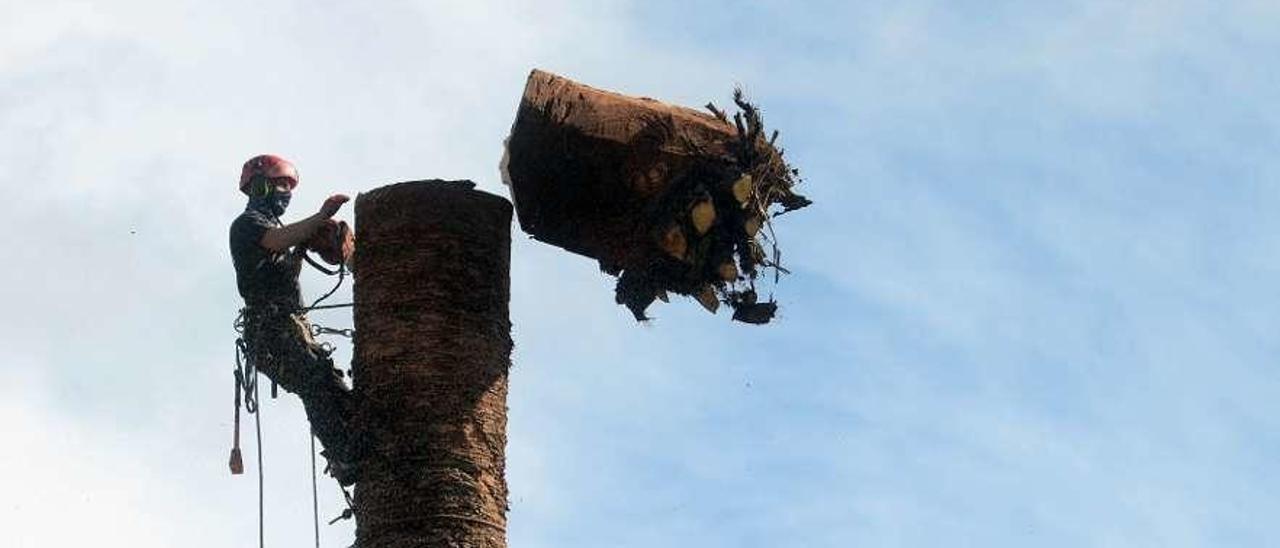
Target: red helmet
(269, 166)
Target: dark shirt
(263, 276)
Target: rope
(246, 374)
(317, 266)
(317, 329)
(246, 378)
(328, 306)
(349, 512)
(257, 426)
(315, 500)
(342, 275)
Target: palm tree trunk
(432, 351)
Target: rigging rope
(328, 306)
(315, 500)
(317, 329)
(246, 374)
(342, 275)
(257, 426)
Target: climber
(268, 257)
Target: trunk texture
(432, 351)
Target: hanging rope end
(237, 463)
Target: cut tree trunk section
(432, 352)
(587, 166)
(661, 195)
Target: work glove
(334, 242)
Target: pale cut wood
(703, 215)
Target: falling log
(432, 351)
(588, 167)
(659, 194)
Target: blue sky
(1033, 304)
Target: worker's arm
(282, 238)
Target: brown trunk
(588, 167)
(660, 194)
(432, 351)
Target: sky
(1034, 304)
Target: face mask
(274, 203)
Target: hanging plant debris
(668, 199)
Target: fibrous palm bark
(668, 198)
(432, 352)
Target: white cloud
(998, 314)
(72, 485)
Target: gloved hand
(334, 242)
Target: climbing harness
(246, 391)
